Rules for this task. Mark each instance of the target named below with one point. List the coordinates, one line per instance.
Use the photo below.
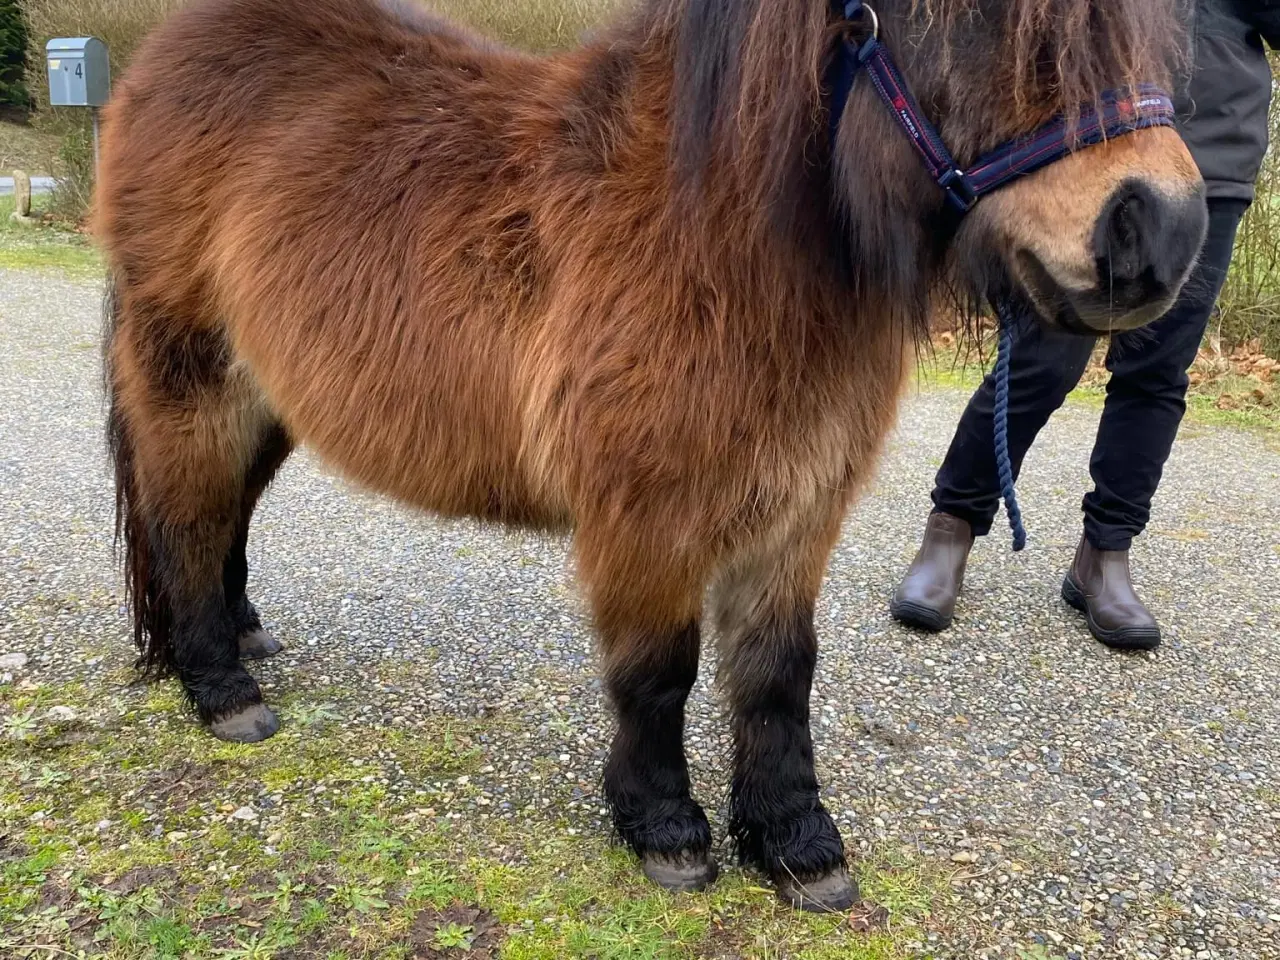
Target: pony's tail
(152, 615)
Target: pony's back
(317, 202)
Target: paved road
(1110, 805)
(38, 185)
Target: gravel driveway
(1097, 804)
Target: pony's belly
(451, 476)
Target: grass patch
(133, 834)
(44, 245)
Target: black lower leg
(204, 632)
(647, 776)
(254, 641)
(207, 661)
(235, 578)
(778, 823)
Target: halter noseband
(1118, 112)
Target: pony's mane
(748, 74)
(1060, 55)
(1073, 48)
(746, 84)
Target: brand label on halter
(904, 111)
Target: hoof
(830, 894)
(249, 725)
(258, 645)
(683, 873)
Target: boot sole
(1122, 638)
(918, 615)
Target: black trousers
(1146, 399)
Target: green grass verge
(138, 835)
(44, 246)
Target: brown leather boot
(927, 595)
(1098, 585)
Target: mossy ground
(128, 832)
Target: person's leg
(1044, 367)
(1146, 396)
(1146, 400)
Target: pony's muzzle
(1144, 244)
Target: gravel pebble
(1099, 804)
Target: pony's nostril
(1126, 239)
(1145, 242)
(1122, 243)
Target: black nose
(1145, 242)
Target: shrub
(14, 98)
(1249, 308)
(73, 188)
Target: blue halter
(1117, 113)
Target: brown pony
(630, 290)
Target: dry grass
(531, 24)
(26, 148)
(121, 24)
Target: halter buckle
(958, 189)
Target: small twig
(960, 877)
(181, 776)
(40, 946)
(804, 889)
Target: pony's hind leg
(650, 643)
(184, 427)
(764, 614)
(253, 640)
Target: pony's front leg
(764, 612)
(647, 619)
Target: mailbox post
(79, 76)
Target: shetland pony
(636, 290)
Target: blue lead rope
(1004, 465)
